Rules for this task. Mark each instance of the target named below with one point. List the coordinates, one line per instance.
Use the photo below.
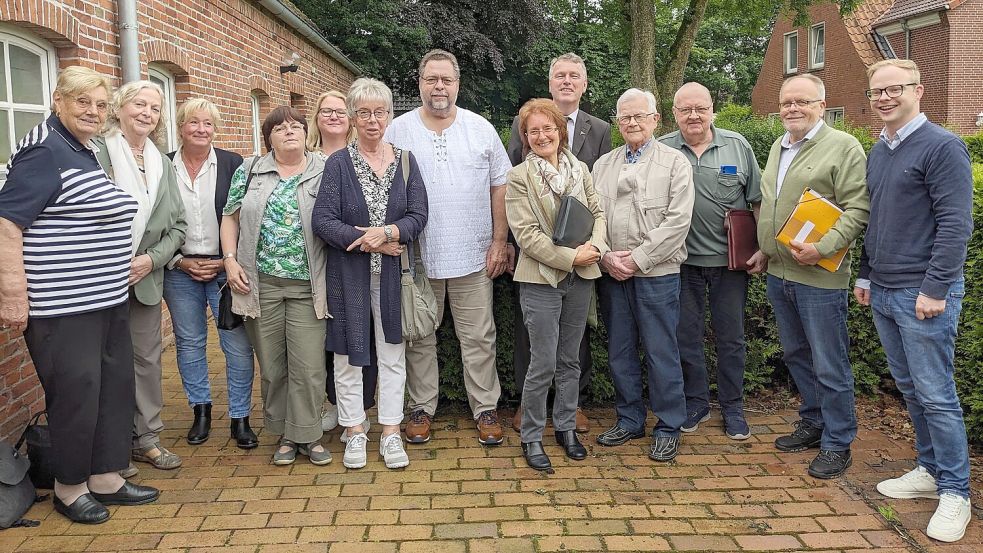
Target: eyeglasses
(700, 110)
(379, 114)
(535, 133)
(892, 91)
(84, 103)
(797, 103)
(284, 127)
(328, 112)
(626, 119)
(432, 81)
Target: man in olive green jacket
(810, 302)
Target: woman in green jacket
(129, 154)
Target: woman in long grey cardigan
(128, 152)
(366, 211)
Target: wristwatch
(389, 233)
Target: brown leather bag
(742, 238)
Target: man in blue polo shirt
(911, 274)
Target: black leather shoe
(830, 464)
(571, 445)
(535, 456)
(84, 510)
(243, 435)
(617, 436)
(202, 424)
(129, 494)
(802, 438)
(664, 448)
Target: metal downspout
(129, 48)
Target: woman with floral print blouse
(276, 270)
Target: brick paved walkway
(456, 496)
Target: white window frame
(49, 59)
(166, 80)
(791, 62)
(257, 133)
(832, 115)
(814, 31)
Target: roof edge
(289, 14)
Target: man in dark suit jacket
(590, 138)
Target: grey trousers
(145, 333)
(555, 319)
(288, 339)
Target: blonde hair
(314, 137)
(124, 95)
(76, 80)
(907, 65)
(193, 106)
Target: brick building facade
(941, 37)
(227, 51)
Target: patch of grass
(889, 514)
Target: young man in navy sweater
(911, 274)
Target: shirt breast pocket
(729, 187)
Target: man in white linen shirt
(464, 245)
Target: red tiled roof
(907, 8)
(858, 25)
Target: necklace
(193, 169)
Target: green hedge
(764, 364)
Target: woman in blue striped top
(66, 243)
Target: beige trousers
(145, 333)
(288, 339)
(470, 298)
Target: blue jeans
(188, 301)
(920, 356)
(812, 329)
(646, 308)
(728, 294)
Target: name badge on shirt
(728, 169)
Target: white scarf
(128, 176)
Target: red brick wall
(966, 67)
(222, 50)
(843, 73)
(930, 50)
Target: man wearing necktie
(588, 138)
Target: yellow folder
(811, 219)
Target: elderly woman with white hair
(129, 153)
(646, 191)
(372, 203)
(196, 275)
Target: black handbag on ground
(39, 452)
(16, 491)
(227, 319)
(574, 223)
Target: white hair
(365, 89)
(639, 93)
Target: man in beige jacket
(646, 191)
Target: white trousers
(392, 374)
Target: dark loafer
(129, 494)
(243, 435)
(617, 436)
(84, 510)
(535, 456)
(571, 445)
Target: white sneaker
(329, 417)
(355, 451)
(950, 519)
(916, 483)
(344, 433)
(391, 449)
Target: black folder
(574, 223)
